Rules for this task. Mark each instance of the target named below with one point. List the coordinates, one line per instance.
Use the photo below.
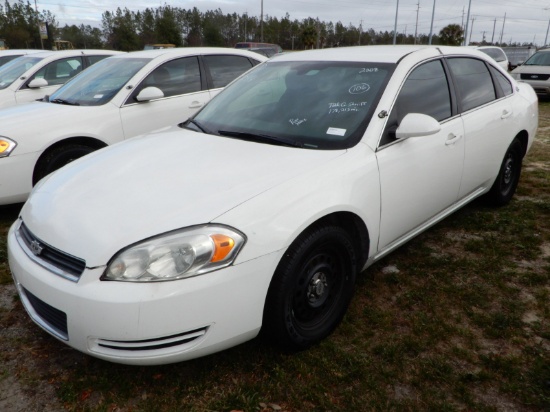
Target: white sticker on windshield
(336, 131)
(98, 96)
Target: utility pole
(471, 30)
(245, 21)
(416, 26)
(546, 37)
(262, 24)
(39, 34)
(395, 25)
(494, 26)
(502, 32)
(467, 19)
(432, 25)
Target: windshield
(318, 105)
(539, 59)
(99, 84)
(14, 69)
(5, 59)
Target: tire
(505, 185)
(311, 288)
(59, 157)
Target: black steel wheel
(311, 289)
(505, 185)
(59, 157)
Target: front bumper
(16, 177)
(145, 323)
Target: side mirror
(149, 93)
(37, 83)
(415, 125)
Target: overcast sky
(526, 20)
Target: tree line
(127, 30)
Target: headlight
(6, 146)
(515, 76)
(176, 255)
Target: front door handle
(452, 139)
(196, 105)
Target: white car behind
(30, 77)
(119, 98)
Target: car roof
(379, 54)
(488, 47)
(11, 52)
(53, 54)
(187, 51)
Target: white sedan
(119, 98)
(32, 76)
(263, 208)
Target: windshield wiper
(61, 101)
(261, 138)
(201, 127)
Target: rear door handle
(506, 113)
(196, 105)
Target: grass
(457, 319)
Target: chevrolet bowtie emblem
(36, 249)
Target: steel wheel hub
(317, 289)
(508, 170)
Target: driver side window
(59, 71)
(174, 78)
(426, 91)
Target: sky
(492, 20)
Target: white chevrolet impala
(259, 212)
(117, 99)
(33, 75)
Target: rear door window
(223, 69)
(474, 82)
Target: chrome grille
(533, 76)
(56, 261)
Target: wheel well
(355, 227)
(523, 138)
(85, 141)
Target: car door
(184, 91)
(420, 176)
(56, 73)
(485, 101)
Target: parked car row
(258, 211)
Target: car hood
(13, 119)
(532, 69)
(133, 190)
